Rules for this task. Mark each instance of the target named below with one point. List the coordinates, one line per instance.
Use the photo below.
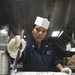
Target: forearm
(59, 66)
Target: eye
(44, 31)
(38, 30)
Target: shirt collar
(35, 46)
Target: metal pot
(4, 61)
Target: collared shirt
(35, 59)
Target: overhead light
(55, 33)
(60, 33)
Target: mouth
(39, 38)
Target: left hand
(66, 70)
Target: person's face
(39, 33)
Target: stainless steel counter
(73, 73)
(39, 73)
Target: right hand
(14, 44)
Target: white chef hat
(43, 22)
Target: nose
(40, 32)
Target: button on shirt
(35, 59)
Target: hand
(14, 44)
(66, 70)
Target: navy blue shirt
(35, 59)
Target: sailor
(36, 53)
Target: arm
(59, 66)
(66, 69)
